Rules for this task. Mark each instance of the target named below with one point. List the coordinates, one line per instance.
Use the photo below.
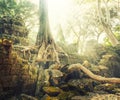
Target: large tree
(47, 50)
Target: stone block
(52, 91)
(27, 97)
(9, 81)
(25, 77)
(1, 88)
(1, 61)
(14, 71)
(4, 72)
(25, 72)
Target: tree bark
(111, 35)
(44, 34)
(92, 75)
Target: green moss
(52, 91)
(66, 95)
(105, 87)
(34, 70)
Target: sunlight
(58, 12)
(57, 9)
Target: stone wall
(16, 75)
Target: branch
(92, 75)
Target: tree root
(47, 52)
(92, 75)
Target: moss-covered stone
(52, 91)
(112, 61)
(27, 97)
(82, 85)
(66, 95)
(105, 87)
(46, 97)
(105, 97)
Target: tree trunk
(44, 34)
(105, 22)
(47, 50)
(111, 35)
(93, 76)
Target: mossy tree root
(92, 75)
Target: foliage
(107, 42)
(19, 8)
(16, 18)
(12, 7)
(84, 22)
